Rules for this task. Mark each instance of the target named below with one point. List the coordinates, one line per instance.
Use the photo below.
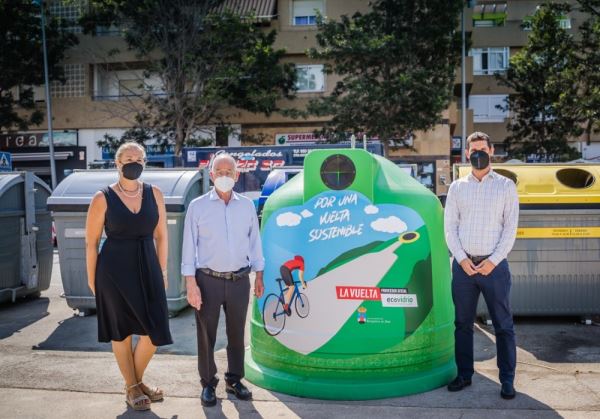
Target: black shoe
(508, 391)
(208, 397)
(458, 384)
(239, 390)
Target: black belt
(232, 276)
(477, 259)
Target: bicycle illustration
(273, 311)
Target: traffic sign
(5, 162)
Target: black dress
(130, 293)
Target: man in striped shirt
(481, 217)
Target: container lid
(552, 185)
(9, 179)
(75, 192)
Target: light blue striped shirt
(224, 238)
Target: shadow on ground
(16, 316)
(80, 334)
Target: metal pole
(48, 99)
(463, 89)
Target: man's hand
(485, 267)
(259, 286)
(193, 292)
(468, 266)
(304, 285)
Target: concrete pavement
(51, 366)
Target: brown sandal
(155, 394)
(136, 403)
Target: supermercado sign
(297, 138)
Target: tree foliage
(397, 67)
(21, 60)
(207, 58)
(544, 88)
(586, 64)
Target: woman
(129, 276)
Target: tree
(587, 56)
(542, 77)
(21, 60)
(397, 67)
(207, 58)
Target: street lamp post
(463, 88)
(40, 3)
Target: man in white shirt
(481, 217)
(221, 245)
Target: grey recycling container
(26, 249)
(69, 204)
(555, 262)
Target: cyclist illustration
(297, 263)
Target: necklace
(128, 193)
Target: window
(489, 60)
(133, 87)
(489, 14)
(221, 136)
(113, 85)
(310, 78)
(74, 85)
(68, 12)
(485, 108)
(304, 12)
(565, 23)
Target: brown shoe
(155, 394)
(136, 403)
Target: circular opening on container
(507, 173)
(409, 237)
(338, 172)
(575, 178)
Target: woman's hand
(92, 285)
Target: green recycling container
(376, 318)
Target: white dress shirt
(481, 217)
(224, 238)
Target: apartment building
(101, 87)
(499, 30)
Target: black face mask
(132, 170)
(479, 159)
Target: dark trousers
(233, 296)
(496, 291)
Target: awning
(261, 9)
(58, 155)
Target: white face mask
(224, 183)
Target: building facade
(499, 30)
(101, 86)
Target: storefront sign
(297, 138)
(38, 139)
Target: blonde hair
(127, 146)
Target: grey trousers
(234, 297)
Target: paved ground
(52, 367)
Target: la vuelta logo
(358, 293)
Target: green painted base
(338, 389)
